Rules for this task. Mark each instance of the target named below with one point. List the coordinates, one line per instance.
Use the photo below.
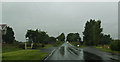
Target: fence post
(31, 45)
(25, 46)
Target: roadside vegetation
(113, 47)
(10, 48)
(107, 50)
(15, 50)
(24, 55)
(93, 35)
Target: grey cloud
(59, 17)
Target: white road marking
(50, 54)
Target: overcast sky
(55, 18)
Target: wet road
(68, 52)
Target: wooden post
(31, 45)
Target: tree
(97, 32)
(36, 36)
(51, 40)
(31, 34)
(92, 32)
(9, 36)
(61, 37)
(105, 39)
(72, 37)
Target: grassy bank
(107, 50)
(12, 52)
(10, 48)
(24, 55)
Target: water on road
(69, 52)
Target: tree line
(38, 36)
(73, 37)
(92, 35)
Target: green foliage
(50, 40)
(37, 36)
(115, 45)
(105, 39)
(9, 36)
(35, 45)
(92, 32)
(72, 37)
(61, 37)
(47, 46)
(21, 45)
(57, 43)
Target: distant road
(69, 52)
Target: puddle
(91, 57)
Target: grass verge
(24, 55)
(47, 46)
(107, 50)
(9, 48)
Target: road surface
(69, 52)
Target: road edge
(46, 57)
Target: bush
(115, 45)
(21, 45)
(43, 45)
(35, 46)
(55, 45)
(58, 43)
